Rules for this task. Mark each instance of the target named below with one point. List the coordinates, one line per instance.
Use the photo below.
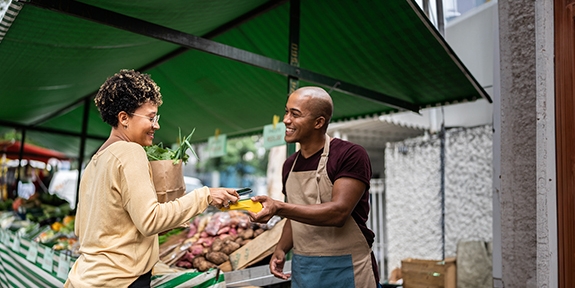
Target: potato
(230, 246)
(217, 257)
(217, 245)
(247, 234)
(231, 237)
(202, 264)
(258, 231)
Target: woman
(118, 216)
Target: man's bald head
(320, 103)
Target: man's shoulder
(345, 146)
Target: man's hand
(277, 264)
(270, 207)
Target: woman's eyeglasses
(154, 119)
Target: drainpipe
(442, 182)
(440, 17)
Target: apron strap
(322, 167)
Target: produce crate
(418, 273)
(257, 249)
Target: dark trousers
(143, 281)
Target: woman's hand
(223, 197)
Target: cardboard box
(257, 249)
(418, 273)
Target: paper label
(32, 254)
(274, 136)
(16, 244)
(217, 146)
(63, 266)
(6, 239)
(48, 260)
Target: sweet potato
(223, 230)
(196, 250)
(189, 256)
(217, 257)
(184, 264)
(206, 242)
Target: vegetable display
(209, 240)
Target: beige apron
(324, 255)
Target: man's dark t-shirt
(345, 159)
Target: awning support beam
(293, 57)
(85, 119)
(49, 130)
(138, 26)
(218, 31)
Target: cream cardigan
(118, 218)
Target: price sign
(274, 136)
(63, 266)
(32, 254)
(6, 239)
(217, 146)
(48, 260)
(16, 244)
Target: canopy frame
(138, 26)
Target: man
(327, 187)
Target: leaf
(158, 152)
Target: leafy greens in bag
(159, 152)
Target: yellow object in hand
(245, 204)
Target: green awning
(52, 63)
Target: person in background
(326, 184)
(119, 217)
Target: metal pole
(440, 17)
(82, 146)
(442, 181)
(20, 157)
(293, 59)
(425, 5)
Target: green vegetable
(159, 152)
(164, 237)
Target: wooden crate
(257, 249)
(418, 273)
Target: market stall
(30, 151)
(26, 263)
(214, 247)
(39, 246)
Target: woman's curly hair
(126, 91)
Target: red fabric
(31, 152)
